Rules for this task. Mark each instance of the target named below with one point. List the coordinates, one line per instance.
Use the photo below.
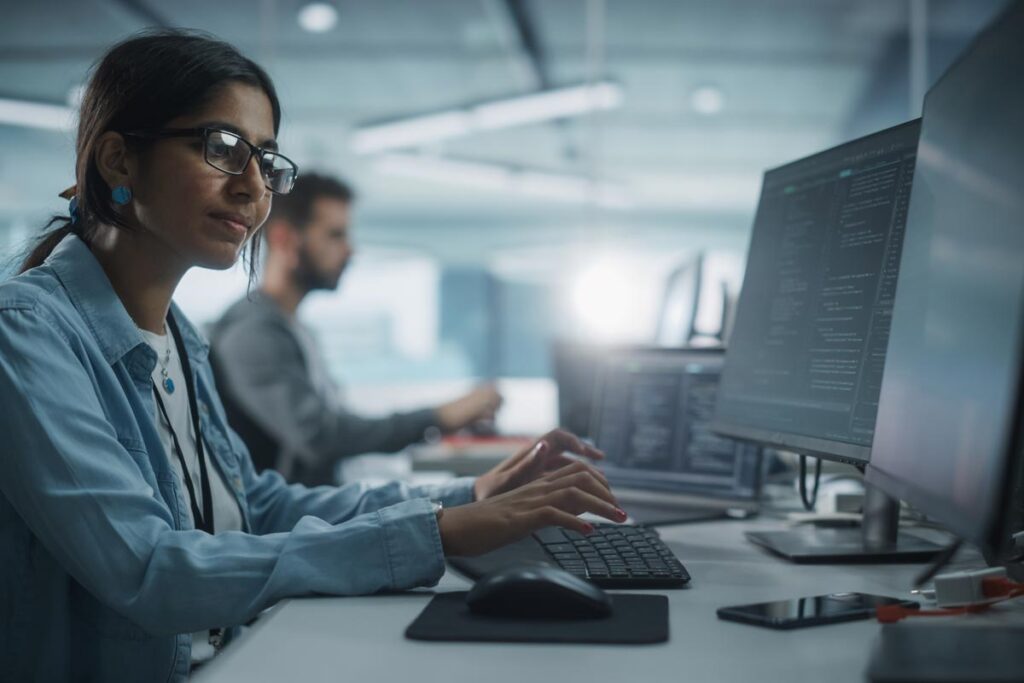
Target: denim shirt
(102, 576)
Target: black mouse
(537, 591)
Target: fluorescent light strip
(530, 182)
(505, 113)
(36, 115)
(544, 106)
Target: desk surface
(361, 638)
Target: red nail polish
(588, 528)
(621, 513)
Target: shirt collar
(90, 291)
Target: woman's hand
(545, 455)
(552, 499)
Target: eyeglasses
(231, 153)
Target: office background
(478, 243)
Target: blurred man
(272, 375)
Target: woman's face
(203, 216)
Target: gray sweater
(281, 401)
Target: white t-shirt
(226, 515)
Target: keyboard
(615, 556)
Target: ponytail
(47, 243)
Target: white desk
(361, 639)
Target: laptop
(650, 414)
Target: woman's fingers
(576, 501)
(561, 440)
(550, 515)
(526, 455)
(584, 482)
(576, 467)
(558, 465)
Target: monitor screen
(949, 405)
(652, 419)
(805, 358)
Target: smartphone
(813, 611)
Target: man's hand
(480, 404)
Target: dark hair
(142, 83)
(296, 207)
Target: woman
(130, 546)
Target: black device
(537, 591)
(652, 418)
(680, 303)
(947, 653)
(811, 611)
(576, 368)
(949, 432)
(808, 348)
(614, 556)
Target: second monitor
(807, 352)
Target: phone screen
(820, 609)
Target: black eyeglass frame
(204, 133)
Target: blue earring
(121, 195)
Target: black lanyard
(203, 520)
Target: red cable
(998, 589)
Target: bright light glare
(318, 17)
(602, 300)
(707, 100)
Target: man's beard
(310, 279)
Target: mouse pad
(635, 620)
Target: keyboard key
(551, 534)
(559, 548)
(612, 552)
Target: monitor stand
(876, 540)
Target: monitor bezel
(995, 530)
(843, 452)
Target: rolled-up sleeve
(89, 501)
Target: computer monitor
(652, 418)
(677, 320)
(949, 431)
(575, 367)
(805, 359)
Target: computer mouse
(537, 591)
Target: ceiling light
(469, 173)
(707, 100)
(504, 113)
(318, 17)
(502, 178)
(544, 106)
(36, 115)
(410, 132)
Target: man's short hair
(296, 207)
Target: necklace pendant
(168, 385)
